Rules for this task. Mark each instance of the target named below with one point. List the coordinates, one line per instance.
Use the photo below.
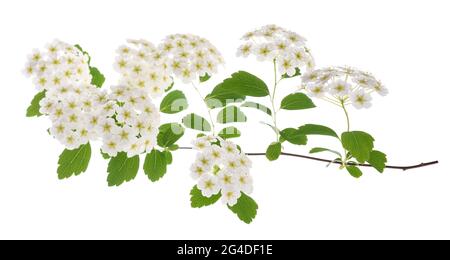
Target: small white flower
(233, 164)
(109, 109)
(265, 52)
(47, 106)
(286, 65)
(156, 91)
(186, 74)
(100, 98)
(149, 141)
(126, 115)
(215, 152)
(41, 82)
(125, 135)
(73, 118)
(71, 140)
(230, 195)
(226, 178)
(150, 110)
(111, 145)
(135, 147)
(59, 129)
(339, 88)
(201, 144)
(93, 120)
(197, 171)
(245, 183)
(58, 112)
(360, 99)
(316, 90)
(300, 55)
(245, 50)
(205, 161)
(86, 134)
(244, 161)
(310, 77)
(380, 89)
(208, 185)
(119, 93)
(229, 148)
(35, 57)
(29, 70)
(107, 126)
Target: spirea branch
(394, 167)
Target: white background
(404, 43)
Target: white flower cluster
(190, 56)
(221, 167)
(59, 66)
(142, 66)
(131, 123)
(343, 86)
(124, 120)
(271, 42)
(62, 71)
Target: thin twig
(404, 168)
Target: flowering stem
(209, 109)
(345, 157)
(346, 115)
(272, 100)
(395, 167)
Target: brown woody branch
(404, 168)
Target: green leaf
(294, 136)
(222, 98)
(155, 165)
(170, 87)
(258, 106)
(246, 84)
(205, 78)
(74, 162)
(359, 144)
(245, 208)
(33, 109)
(174, 102)
(169, 157)
(199, 201)
(297, 73)
(378, 160)
(84, 53)
(354, 171)
(78, 47)
(122, 169)
(320, 150)
(236, 88)
(297, 101)
(196, 122)
(97, 77)
(310, 129)
(169, 134)
(230, 132)
(231, 114)
(105, 155)
(273, 151)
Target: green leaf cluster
(359, 146)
